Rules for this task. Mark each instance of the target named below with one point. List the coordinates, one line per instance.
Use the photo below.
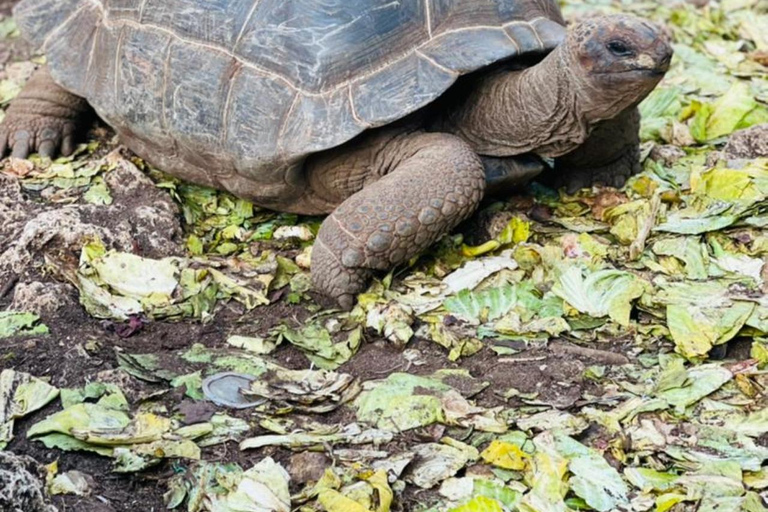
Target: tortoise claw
(19, 142)
(68, 145)
(23, 135)
(43, 118)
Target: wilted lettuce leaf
(602, 293)
(593, 480)
(14, 323)
(728, 113)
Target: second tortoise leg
(44, 118)
(415, 188)
(609, 157)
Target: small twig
(531, 359)
(7, 287)
(396, 367)
(603, 356)
(505, 360)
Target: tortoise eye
(619, 48)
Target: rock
(667, 155)
(714, 158)
(308, 467)
(140, 212)
(304, 259)
(20, 72)
(57, 230)
(748, 144)
(21, 485)
(141, 219)
(299, 232)
(13, 208)
(43, 299)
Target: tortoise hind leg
(43, 118)
(609, 157)
(432, 182)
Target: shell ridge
(353, 109)
(284, 121)
(118, 52)
(428, 15)
(244, 28)
(92, 52)
(435, 63)
(166, 74)
(63, 25)
(228, 103)
(141, 9)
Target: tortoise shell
(220, 91)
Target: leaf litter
(670, 269)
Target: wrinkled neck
(540, 109)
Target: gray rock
(21, 485)
(307, 467)
(142, 218)
(667, 154)
(42, 299)
(749, 143)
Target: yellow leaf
(471, 252)
(479, 504)
(50, 471)
(644, 186)
(759, 351)
(746, 386)
(145, 428)
(729, 110)
(166, 449)
(517, 231)
(334, 501)
(505, 455)
(667, 501)
(746, 184)
(756, 479)
(379, 482)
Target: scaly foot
(44, 118)
(436, 182)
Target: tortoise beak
(665, 58)
(657, 60)
(663, 52)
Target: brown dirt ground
(61, 357)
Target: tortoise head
(619, 59)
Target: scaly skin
(507, 113)
(44, 118)
(553, 108)
(431, 182)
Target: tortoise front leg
(609, 157)
(431, 182)
(43, 118)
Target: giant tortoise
(393, 116)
